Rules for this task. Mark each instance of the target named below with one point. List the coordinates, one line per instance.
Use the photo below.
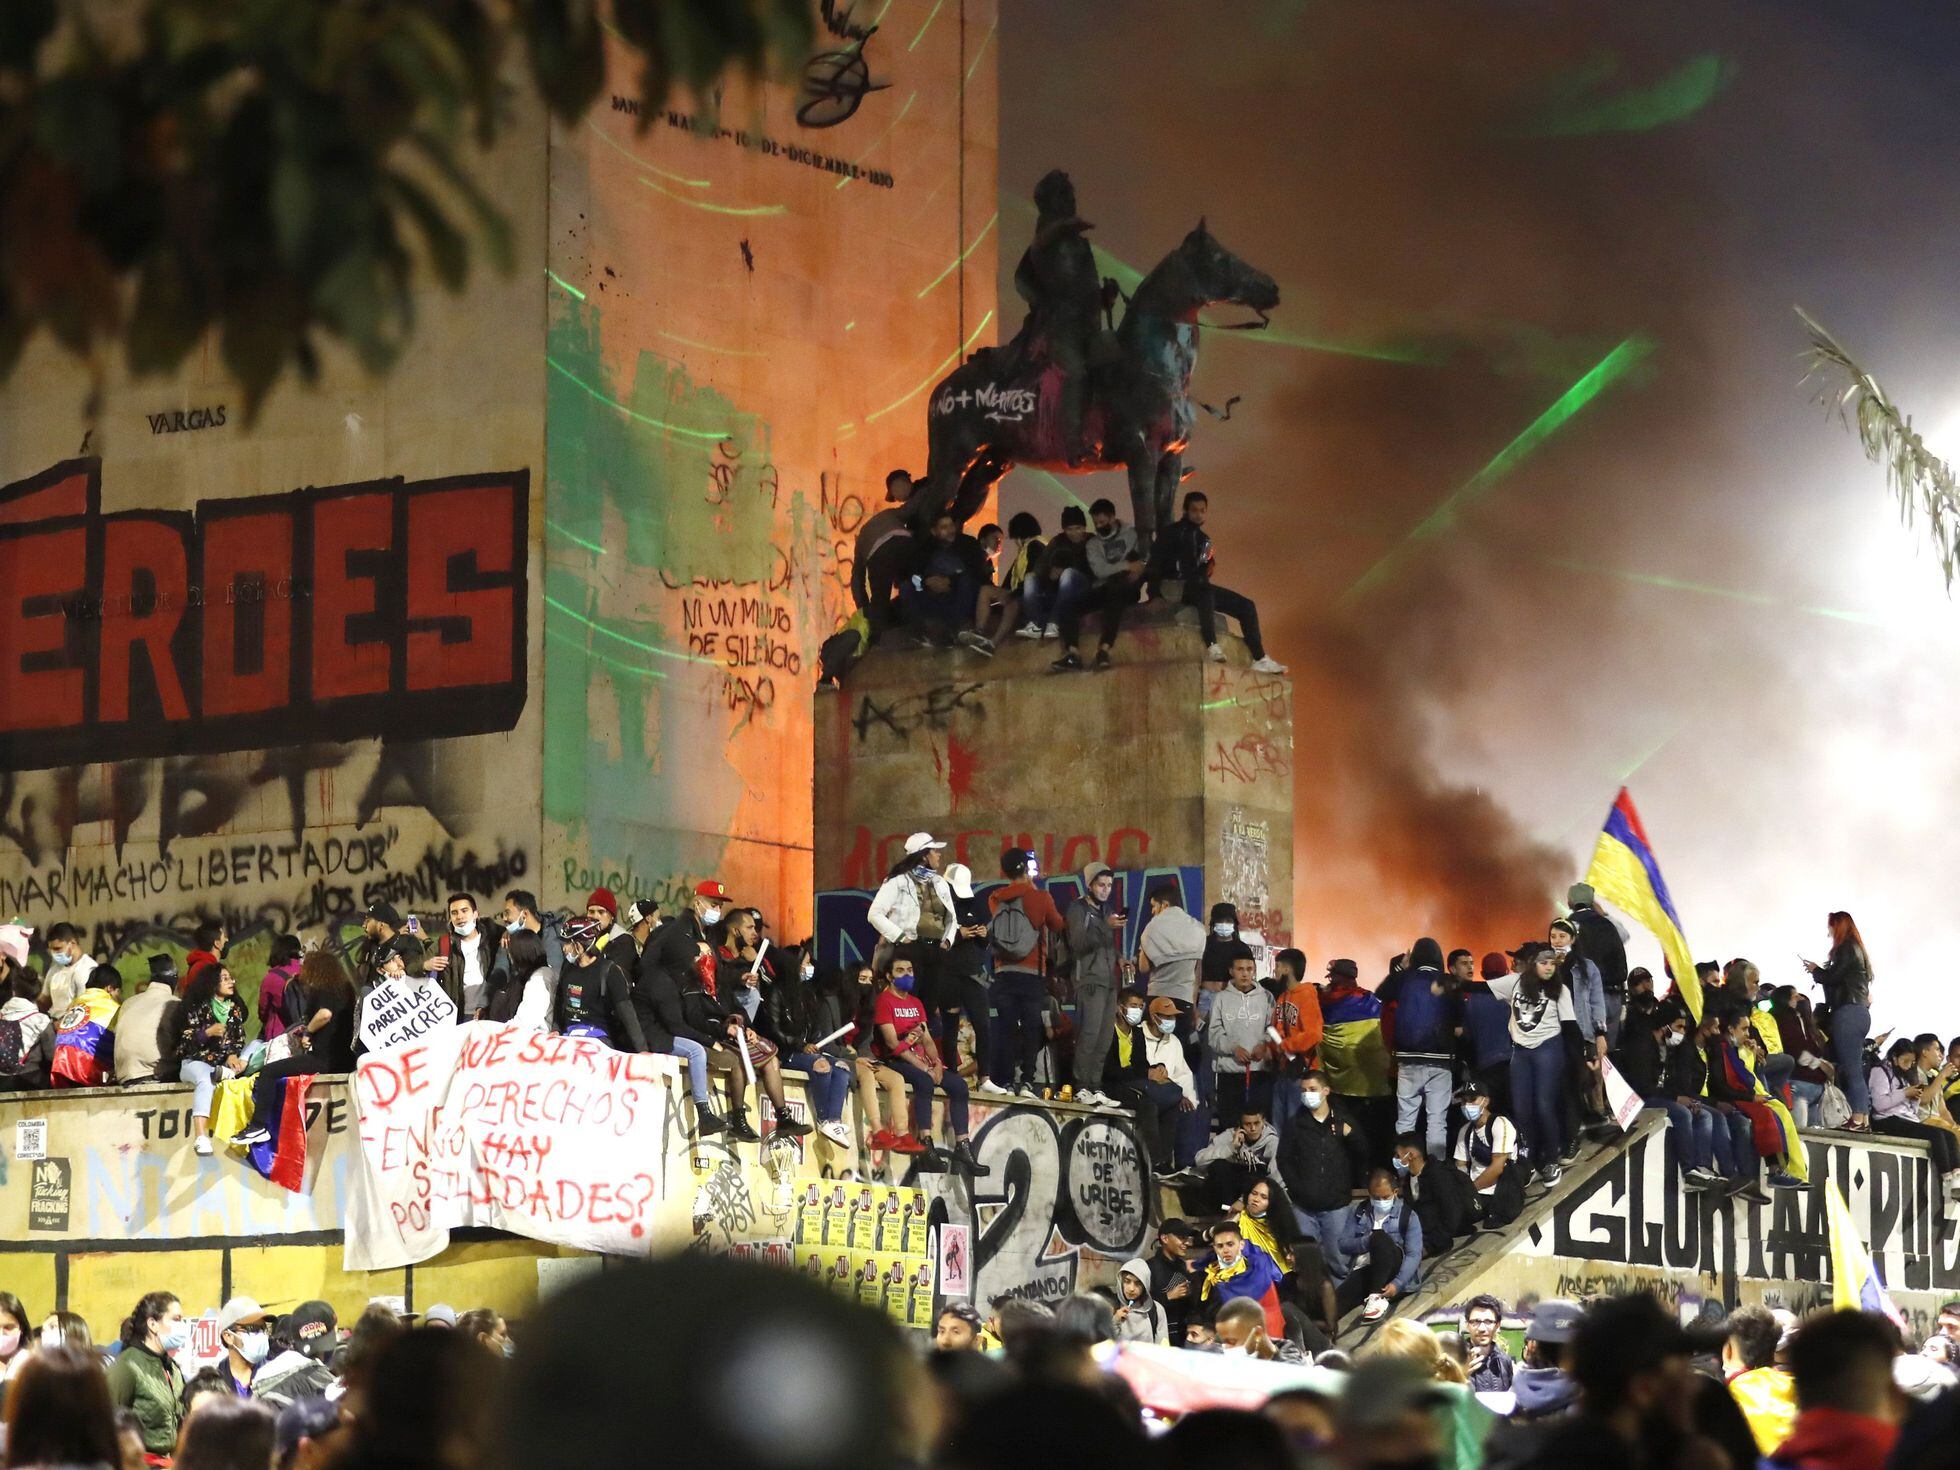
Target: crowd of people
(804, 1380)
(941, 586)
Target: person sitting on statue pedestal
(1183, 553)
(941, 583)
(1057, 586)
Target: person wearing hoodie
(1601, 941)
(1236, 1037)
(1095, 940)
(1543, 1388)
(1172, 944)
(302, 1342)
(964, 979)
(1059, 581)
(1421, 1014)
(1848, 1407)
(282, 966)
(146, 1027)
(1585, 1093)
(1485, 1046)
(1140, 1317)
(1320, 1156)
(20, 989)
(1296, 1016)
(1116, 568)
(1444, 1198)
(1021, 920)
(1382, 1242)
(1235, 1157)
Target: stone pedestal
(1166, 764)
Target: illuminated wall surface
(540, 608)
(748, 311)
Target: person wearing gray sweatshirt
(1237, 1040)
(1095, 940)
(1116, 570)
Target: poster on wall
(869, 1242)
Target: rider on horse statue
(1057, 278)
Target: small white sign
(397, 1012)
(31, 1139)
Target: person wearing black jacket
(1060, 580)
(1688, 1079)
(789, 1018)
(593, 998)
(1175, 1278)
(657, 1002)
(1126, 1079)
(1599, 941)
(1647, 1047)
(1182, 553)
(1321, 1154)
(1445, 1199)
(959, 979)
(942, 580)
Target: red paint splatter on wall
(961, 762)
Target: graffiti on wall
(845, 936)
(325, 614)
(1244, 879)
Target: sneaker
(1549, 1176)
(993, 1089)
(792, 1127)
(1699, 1178)
(909, 1143)
(202, 1146)
(1778, 1179)
(1026, 1089)
(1090, 1098)
(1030, 630)
(837, 1131)
(1102, 661)
(882, 1141)
(707, 1122)
(1753, 1192)
(1571, 1152)
(1268, 665)
(1374, 1309)
(1068, 663)
(1181, 1178)
(246, 1137)
(970, 639)
(964, 1160)
(1214, 654)
(1053, 630)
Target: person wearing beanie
(1485, 1046)
(603, 909)
(1603, 942)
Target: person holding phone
(1022, 919)
(1095, 939)
(1846, 979)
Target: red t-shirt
(901, 1011)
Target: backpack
(1011, 933)
(13, 1049)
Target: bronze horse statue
(1000, 407)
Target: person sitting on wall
(1382, 1242)
(883, 547)
(1487, 1153)
(1182, 552)
(1060, 581)
(1000, 607)
(1127, 1081)
(593, 998)
(940, 584)
(1444, 1199)
(903, 1044)
(1227, 1166)
(1116, 568)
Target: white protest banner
(399, 1011)
(1621, 1100)
(558, 1138)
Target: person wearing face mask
(1240, 1270)
(1648, 1040)
(1022, 921)
(1485, 1046)
(69, 966)
(1445, 1202)
(521, 911)
(145, 1377)
(1486, 1152)
(1241, 1328)
(791, 1017)
(593, 998)
(1095, 940)
(1321, 1154)
(302, 1343)
(243, 1333)
(1127, 1082)
(903, 1043)
(1382, 1241)
(1164, 1061)
(464, 958)
(13, 1335)
(1296, 1016)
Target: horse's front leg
(1141, 462)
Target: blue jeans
(1735, 1145)
(1019, 1001)
(920, 1081)
(1286, 1102)
(1047, 602)
(1805, 1096)
(1850, 1027)
(950, 610)
(1426, 1086)
(1325, 1227)
(1690, 1133)
(1616, 1008)
(829, 1089)
(203, 1078)
(1538, 1095)
(696, 1056)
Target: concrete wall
(751, 298)
(1165, 762)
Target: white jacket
(895, 909)
(1168, 1052)
(64, 984)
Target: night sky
(1685, 577)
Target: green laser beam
(1704, 589)
(740, 211)
(710, 347)
(564, 285)
(712, 436)
(960, 259)
(1680, 94)
(605, 632)
(1055, 481)
(612, 663)
(652, 168)
(981, 50)
(936, 5)
(574, 538)
(1608, 371)
(933, 376)
(890, 128)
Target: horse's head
(1217, 275)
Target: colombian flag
(1352, 1053)
(282, 1159)
(1855, 1283)
(84, 1046)
(1626, 874)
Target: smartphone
(414, 925)
(1123, 914)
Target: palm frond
(1924, 483)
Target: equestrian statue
(1069, 396)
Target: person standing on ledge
(1183, 552)
(1023, 918)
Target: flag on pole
(1626, 874)
(1855, 1283)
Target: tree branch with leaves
(277, 171)
(1924, 483)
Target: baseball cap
(710, 888)
(920, 842)
(959, 877)
(603, 898)
(240, 1311)
(1554, 1321)
(1577, 894)
(1180, 1228)
(1381, 1390)
(441, 1314)
(311, 1326)
(307, 1418)
(1345, 969)
(1496, 965)
(640, 910)
(386, 913)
